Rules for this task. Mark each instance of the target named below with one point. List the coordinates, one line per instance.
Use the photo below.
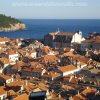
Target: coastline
(15, 27)
(38, 28)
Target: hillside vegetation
(5, 21)
(7, 24)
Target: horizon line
(62, 18)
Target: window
(3, 97)
(91, 46)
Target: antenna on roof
(57, 31)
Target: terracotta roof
(67, 68)
(37, 43)
(67, 49)
(32, 70)
(89, 41)
(12, 52)
(2, 90)
(27, 69)
(95, 39)
(5, 77)
(88, 90)
(20, 63)
(11, 93)
(63, 33)
(96, 71)
(33, 51)
(36, 65)
(84, 59)
(22, 97)
(38, 70)
(78, 97)
(76, 57)
(46, 49)
(66, 87)
(70, 54)
(52, 74)
(5, 60)
(49, 58)
(15, 83)
(2, 45)
(42, 85)
(1, 51)
(82, 63)
(29, 87)
(37, 90)
(4, 39)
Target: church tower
(80, 33)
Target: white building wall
(13, 57)
(82, 66)
(70, 72)
(1, 70)
(3, 42)
(3, 96)
(9, 80)
(76, 38)
(5, 65)
(33, 55)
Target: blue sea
(37, 28)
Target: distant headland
(7, 24)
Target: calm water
(37, 28)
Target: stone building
(63, 39)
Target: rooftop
(22, 97)
(67, 68)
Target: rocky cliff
(15, 27)
(8, 24)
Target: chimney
(59, 95)
(87, 87)
(78, 92)
(78, 64)
(70, 98)
(47, 93)
(4, 84)
(26, 82)
(29, 93)
(52, 91)
(12, 76)
(22, 88)
(71, 77)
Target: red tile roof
(4, 39)
(67, 68)
(2, 90)
(5, 77)
(22, 97)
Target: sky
(51, 9)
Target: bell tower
(80, 33)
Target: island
(7, 24)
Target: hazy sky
(51, 9)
